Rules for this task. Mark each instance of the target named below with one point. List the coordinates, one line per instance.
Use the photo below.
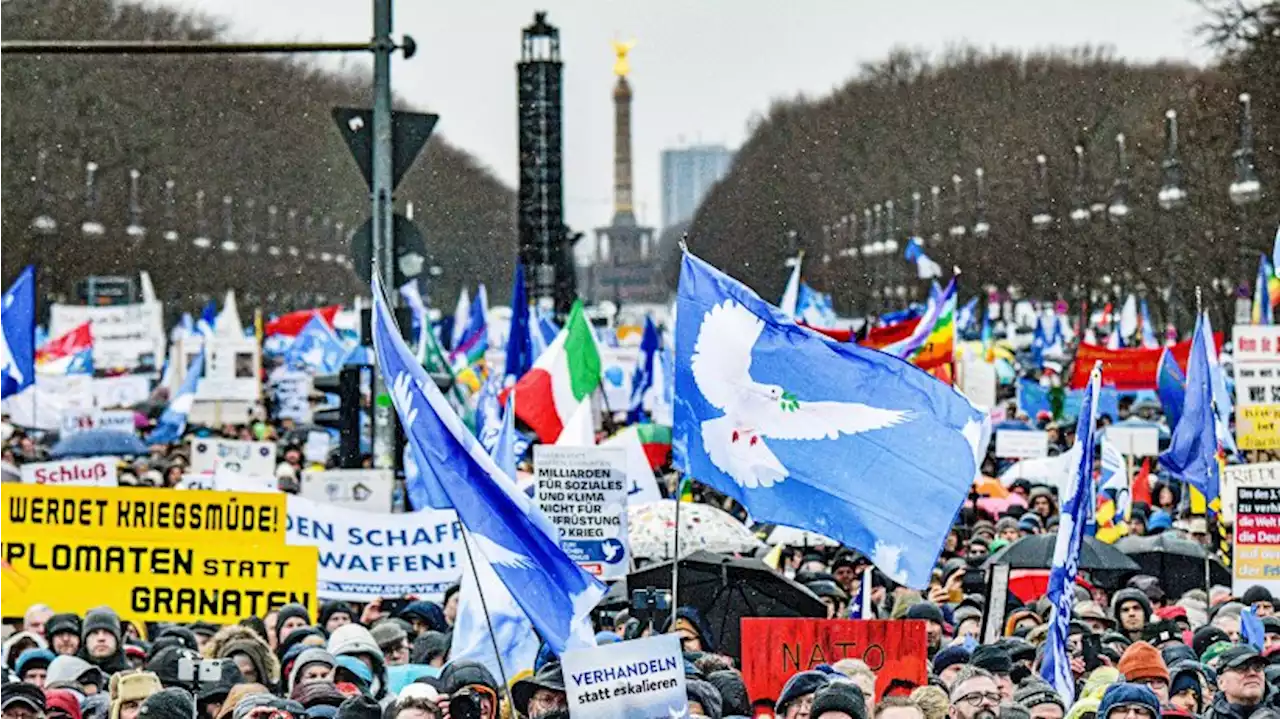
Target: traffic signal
(346, 418)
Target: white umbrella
(792, 537)
(651, 530)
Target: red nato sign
(775, 649)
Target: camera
(465, 704)
(651, 599)
(193, 669)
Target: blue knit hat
(949, 657)
(799, 685)
(1126, 694)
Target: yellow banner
(151, 581)
(1258, 426)
(146, 515)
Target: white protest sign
(365, 555)
(583, 491)
(291, 389)
(617, 365)
(978, 382)
(225, 480)
(1264, 474)
(118, 420)
(1137, 441)
(255, 459)
(231, 368)
(368, 490)
(1020, 443)
(124, 390)
(641, 678)
(124, 336)
(91, 472)
(316, 448)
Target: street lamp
(91, 227)
(1118, 210)
(135, 230)
(1172, 196)
(915, 215)
(935, 204)
(273, 220)
(170, 211)
(228, 226)
(251, 226)
(981, 228)
(1080, 213)
(43, 224)
(201, 240)
(1043, 219)
(1245, 189)
(957, 230)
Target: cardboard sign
(978, 382)
(224, 480)
(1256, 556)
(1133, 441)
(254, 459)
(1018, 444)
(91, 472)
(638, 679)
(368, 490)
(583, 491)
(365, 555)
(1263, 474)
(117, 420)
(774, 649)
(1257, 378)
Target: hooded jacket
(694, 618)
(238, 639)
(1130, 594)
(10, 656)
(353, 639)
(311, 655)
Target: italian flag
(564, 376)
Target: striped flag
(1056, 669)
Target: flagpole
(497, 653)
(675, 566)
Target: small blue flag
(642, 379)
(1193, 448)
(1171, 385)
(802, 432)
(18, 334)
(1251, 629)
(173, 422)
(317, 348)
(519, 340)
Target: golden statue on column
(621, 67)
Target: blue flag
(1149, 340)
(317, 348)
(966, 318)
(519, 340)
(18, 334)
(1171, 385)
(1251, 629)
(488, 415)
(1193, 448)
(505, 444)
(1066, 550)
(815, 307)
(173, 422)
(504, 527)
(642, 379)
(822, 436)
(208, 318)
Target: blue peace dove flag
(504, 527)
(830, 437)
(18, 334)
(317, 348)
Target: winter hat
(62, 624)
(291, 610)
(465, 673)
(927, 611)
(172, 703)
(1165, 630)
(237, 694)
(1186, 675)
(1127, 694)
(14, 693)
(310, 655)
(1006, 523)
(1030, 522)
(96, 706)
(550, 676)
(328, 609)
(840, 696)
(1013, 711)
(237, 639)
(964, 613)
(1142, 661)
(734, 700)
(165, 665)
(1033, 692)
(359, 707)
(33, 659)
(1130, 594)
(356, 668)
(255, 701)
(992, 658)
(66, 670)
(354, 639)
(428, 646)
(62, 703)
(182, 634)
(701, 691)
(1252, 595)
(800, 684)
(426, 612)
(308, 636)
(318, 694)
(949, 657)
(1205, 637)
(1175, 653)
(388, 635)
(101, 618)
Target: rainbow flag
(937, 351)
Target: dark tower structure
(544, 240)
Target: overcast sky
(701, 69)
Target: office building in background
(687, 177)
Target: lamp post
(201, 239)
(170, 211)
(1118, 209)
(1245, 189)
(1080, 214)
(135, 230)
(935, 204)
(957, 230)
(981, 228)
(229, 244)
(251, 226)
(1171, 198)
(43, 223)
(1042, 219)
(91, 227)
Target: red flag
(1140, 490)
(1128, 369)
(291, 323)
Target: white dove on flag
(755, 412)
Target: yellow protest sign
(151, 581)
(1258, 426)
(146, 515)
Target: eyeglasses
(1130, 711)
(977, 699)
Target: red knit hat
(1142, 661)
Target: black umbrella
(1036, 552)
(1177, 562)
(724, 590)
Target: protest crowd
(1072, 560)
